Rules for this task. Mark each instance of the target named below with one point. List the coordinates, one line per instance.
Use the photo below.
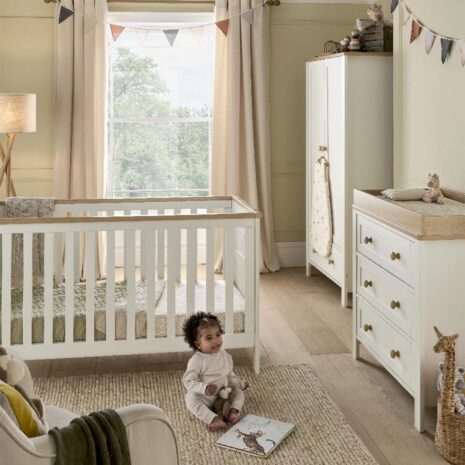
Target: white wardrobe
(349, 122)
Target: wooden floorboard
(302, 322)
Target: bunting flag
(223, 26)
(429, 40)
(462, 52)
(65, 13)
(248, 16)
(116, 31)
(394, 4)
(170, 35)
(404, 16)
(416, 30)
(446, 46)
(142, 35)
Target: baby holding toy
(210, 370)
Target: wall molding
(291, 254)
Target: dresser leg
(356, 349)
(309, 269)
(344, 298)
(419, 415)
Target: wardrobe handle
(368, 240)
(367, 328)
(322, 148)
(367, 283)
(395, 304)
(395, 256)
(330, 261)
(395, 353)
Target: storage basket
(450, 426)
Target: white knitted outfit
(204, 369)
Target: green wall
(298, 31)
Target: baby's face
(209, 340)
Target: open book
(255, 435)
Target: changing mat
(322, 224)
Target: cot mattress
(160, 304)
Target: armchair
(151, 437)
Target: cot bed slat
(27, 289)
(171, 283)
(249, 279)
(130, 273)
(149, 253)
(69, 285)
(58, 257)
(142, 249)
(110, 292)
(210, 270)
(228, 273)
(160, 253)
(48, 287)
(91, 249)
(191, 272)
(177, 249)
(6, 289)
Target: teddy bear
(433, 193)
(222, 404)
(12, 372)
(375, 13)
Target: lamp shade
(17, 113)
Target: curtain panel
(241, 147)
(80, 104)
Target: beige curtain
(241, 153)
(80, 98)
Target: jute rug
(288, 393)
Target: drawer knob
(367, 328)
(395, 256)
(330, 261)
(322, 148)
(395, 353)
(368, 240)
(367, 283)
(395, 304)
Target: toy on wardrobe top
(433, 193)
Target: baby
(209, 370)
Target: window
(160, 105)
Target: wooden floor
(302, 322)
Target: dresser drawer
(392, 251)
(332, 266)
(394, 350)
(391, 296)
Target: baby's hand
(247, 386)
(211, 389)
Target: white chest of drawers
(409, 275)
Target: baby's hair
(196, 322)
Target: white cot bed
(150, 251)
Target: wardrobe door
(335, 85)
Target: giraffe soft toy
(446, 344)
(433, 193)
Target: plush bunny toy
(433, 193)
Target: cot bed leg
(256, 359)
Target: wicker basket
(450, 427)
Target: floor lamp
(17, 114)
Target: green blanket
(95, 439)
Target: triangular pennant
(171, 35)
(65, 13)
(446, 46)
(416, 29)
(462, 52)
(394, 4)
(404, 15)
(248, 16)
(116, 31)
(223, 26)
(429, 40)
(142, 35)
(196, 34)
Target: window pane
(160, 112)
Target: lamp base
(6, 166)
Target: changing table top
(415, 218)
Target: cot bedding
(140, 305)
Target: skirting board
(291, 254)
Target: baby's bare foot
(233, 416)
(216, 425)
